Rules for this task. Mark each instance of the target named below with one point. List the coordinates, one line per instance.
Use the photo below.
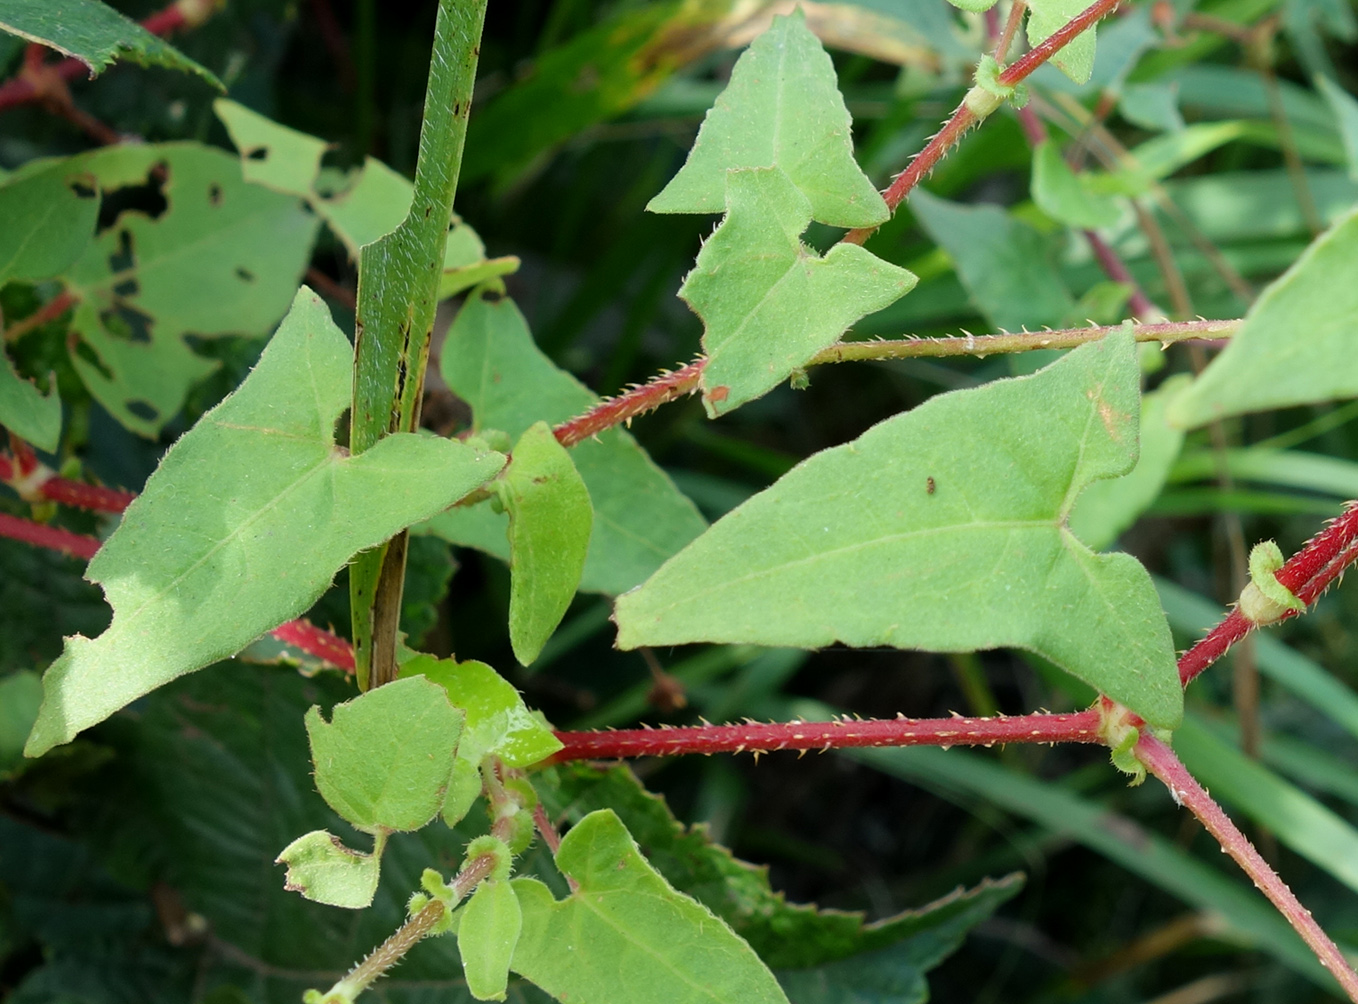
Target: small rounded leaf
(487, 936)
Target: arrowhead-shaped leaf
(768, 302)
(640, 518)
(323, 870)
(781, 109)
(549, 526)
(384, 760)
(1076, 60)
(245, 523)
(626, 935)
(1296, 345)
(942, 529)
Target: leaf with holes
(640, 518)
(782, 109)
(1295, 345)
(195, 252)
(625, 935)
(95, 34)
(960, 505)
(244, 525)
(769, 303)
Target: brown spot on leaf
(719, 394)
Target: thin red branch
(304, 635)
(49, 311)
(58, 489)
(53, 538)
(1161, 761)
(846, 733)
(626, 406)
(1023, 67)
(1116, 269)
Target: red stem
(57, 489)
(760, 737)
(1161, 761)
(1023, 67)
(1114, 267)
(77, 545)
(637, 401)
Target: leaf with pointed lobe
(323, 870)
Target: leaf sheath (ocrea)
(942, 529)
(245, 523)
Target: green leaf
(640, 518)
(1345, 108)
(1004, 263)
(49, 219)
(95, 34)
(486, 937)
(626, 935)
(1296, 343)
(498, 722)
(549, 527)
(1152, 106)
(768, 302)
(26, 411)
(323, 870)
(1060, 193)
(791, 938)
(272, 155)
(223, 257)
(782, 109)
(853, 546)
(20, 695)
(1106, 508)
(384, 760)
(1076, 59)
(244, 525)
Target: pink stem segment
(63, 490)
(1161, 761)
(846, 733)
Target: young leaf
(769, 303)
(384, 760)
(1004, 263)
(323, 870)
(95, 34)
(222, 257)
(486, 937)
(1060, 194)
(626, 935)
(942, 529)
(49, 219)
(244, 525)
(1296, 343)
(640, 518)
(782, 109)
(27, 412)
(549, 527)
(498, 722)
(1076, 59)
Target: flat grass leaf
(768, 302)
(789, 937)
(1108, 507)
(1005, 264)
(640, 518)
(782, 109)
(95, 34)
(384, 760)
(486, 936)
(1345, 108)
(1060, 193)
(271, 154)
(49, 219)
(942, 529)
(1296, 343)
(498, 722)
(1076, 60)
(550, 518)
(212, 255)
(245, 523)
(25, 411)
(626, 935)
(323, 870)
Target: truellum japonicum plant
(963, 525)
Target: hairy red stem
(637, 401)
(53, 538)
(1161, 761)
(57, 489)
(846, 733)
(1116, 269)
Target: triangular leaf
(782, 109)
(244, 525)
(626, 936)
(640, 518)
(769, 303)
(272, 154)
(1296, 343)
(899, 537)
(1076, 59)
(550, 518)
(26, 411)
